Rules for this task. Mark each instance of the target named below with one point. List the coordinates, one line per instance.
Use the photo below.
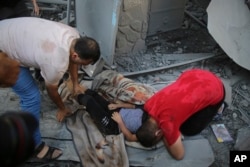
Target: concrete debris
(159, 65)
(242, 141)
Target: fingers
(61, 115)
(115, 115)
(111, 107)
(79, 90)
(36, 12)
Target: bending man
(185, 107)
(53, 48)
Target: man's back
(194, 90)
(38, 43)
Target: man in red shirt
(185, 107)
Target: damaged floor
(167, 55)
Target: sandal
(47, 157)
(219, 115)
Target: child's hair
(146, 133)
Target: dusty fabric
(92, 147)
(65, 91)
(85, 134)
(113, 85)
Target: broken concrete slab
(179, 60)
(242, 141)
(228, 90)
(231, 28)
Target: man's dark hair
(146, 133)
(87, 48)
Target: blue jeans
(30, 100)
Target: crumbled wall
(133, 26)
(140, 18)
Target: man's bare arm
(56, 98)
(176, 149)
(73, 70)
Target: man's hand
(61, 114)
(55, 97)
(78, 89)
(9, 70)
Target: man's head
(149, 133)
(85, 51)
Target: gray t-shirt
(132, 118)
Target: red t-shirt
(194, 90)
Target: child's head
(149, 133)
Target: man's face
(77, 60)
(85, 62)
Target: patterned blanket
(113, 86)
(93, 148)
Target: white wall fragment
(229, 24)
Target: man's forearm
(55, 97)
(176, 149)
(73, 70)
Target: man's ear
(74, 56)
(158, 133)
